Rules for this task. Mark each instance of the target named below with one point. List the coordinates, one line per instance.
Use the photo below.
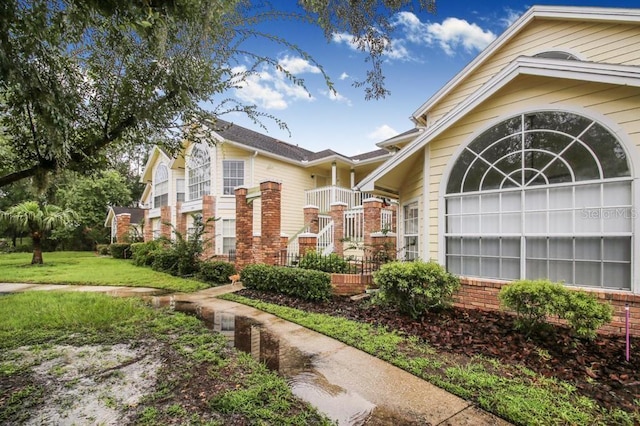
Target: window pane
(453, 205)
(490, 247)
(454, 245)
(617, 275)
(610, 153)
(561, 248)
(536, 248)
(471, 246)
(581, 162)
(511, 201)
(508, 127)
(510, 223)
(561, 222)
(617, 249)
(490, 223)
(490, 203)
(535, 222)
(471, 266)
(535, 199)
(511, 247)
(560, 197)
(490, 267)
(588, 248)
(454, 264)
(617, 193)
(454, 185)
(536, 269)
(561, 271)
(588, 273)
(511, 269)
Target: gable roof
(137, 214)
(563, 13)
(156, 152)
(254, 140)
(557, 68)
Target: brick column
(147, 232)
(337, 215)
(165, 221)
(123, 220)
(181, 220)
(271, 243)
(311, 218)
(372, 209)
(244, 229)
(383, 246)
(307, 242)
(209, 235)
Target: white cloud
(336, 96)
(511, 17)
(395, 49)
(269, 88)
(297, 65)
(343, 76)
(382, 133)
(450, 34)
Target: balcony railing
(327, 195)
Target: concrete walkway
(345, 383)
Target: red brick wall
(181, 220)
(307, 242)
(165, 221)
(372, 209)
(337, 215)
(271, 241)
(123, 220)
(244, 229)
(209, 235)
(480, 293)
(350, 284)
(147, 233)
(311, 218)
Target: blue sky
(429, 49)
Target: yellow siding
(619, 105)
(594, 42)
(295, 180)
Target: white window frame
(161, 186)
(411, 230)
(198, 172)
(228, 235)
(231, 177)
(595, 236)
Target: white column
(334, 174)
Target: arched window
(199, 170)
(542, 195)
(556, 54)
(161, 186)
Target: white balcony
(327, 195)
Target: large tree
(38, 220)
(79, 76)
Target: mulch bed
(597, 368)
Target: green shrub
(217, 272)
(120, 250)
(103, 249)
(305, 284)
(330, 263)
(143, 254)
(166, 261)
(534, 301)
(415, 287)
(585, 314)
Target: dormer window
(556, 54)
(199, 171)
(161, 187)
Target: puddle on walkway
(250, 336)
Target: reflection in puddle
(250, 336)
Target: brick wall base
(350, 284)
(478, 293)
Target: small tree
(38, 220)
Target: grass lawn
(85, 268)
(85, 358)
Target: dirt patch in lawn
(598, 368)
(80, 384)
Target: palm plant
(38, 220)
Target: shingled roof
(252, 139)
(137, 215)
